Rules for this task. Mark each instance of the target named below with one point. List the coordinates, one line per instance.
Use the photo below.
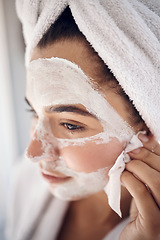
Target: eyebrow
(72, 109)
(67, 108)
(27, 101)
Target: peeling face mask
(58, 82)
(79, 185)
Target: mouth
(54, 177)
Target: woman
(84, 124)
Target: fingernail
(143, 137)
(135, 151)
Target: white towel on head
(129, 46)
(126, 35)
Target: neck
(96, 208)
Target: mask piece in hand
(113, 187)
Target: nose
(35, 148)
(42, 149)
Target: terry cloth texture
(126, 35)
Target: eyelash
(72, 127)
(31, 110)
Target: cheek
(91, 156)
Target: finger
(150, 143)
(148, 219)
(133, 211)
(148, 157)
(148, 176)
(144, 201)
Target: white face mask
(54, 82)
(80, 185)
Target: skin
(141, 171)
(84, 158)
(145, 208)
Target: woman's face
(72, 171)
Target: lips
(54, 177)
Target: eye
(72, 127)
(31, 110)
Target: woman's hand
(142, 180)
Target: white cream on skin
(55, 81)
(80, 185)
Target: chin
(72, 194)
(79, 187)
(69, 198)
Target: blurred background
(14, 120)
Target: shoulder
(25, 189)
(32, 208)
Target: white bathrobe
(35, 214)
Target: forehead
(57, 81)
(74, 50)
